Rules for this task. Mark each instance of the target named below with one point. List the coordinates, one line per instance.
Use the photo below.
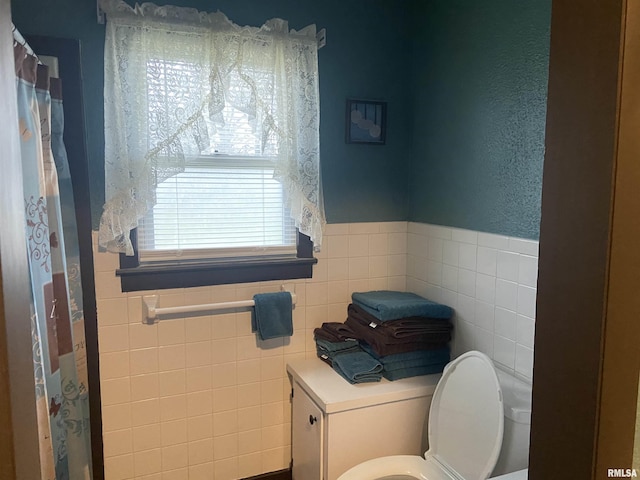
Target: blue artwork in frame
(366, 122)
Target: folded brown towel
(404, 328)
(385, 345)
(334, 332)
(400, 331)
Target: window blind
(220, 206)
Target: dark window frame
(137, 277)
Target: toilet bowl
(465, 429)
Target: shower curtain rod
(18, 38)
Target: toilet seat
(411, 466)
(465, 428)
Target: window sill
(157, 277)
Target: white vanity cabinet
(336, 425)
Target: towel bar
(150, 311)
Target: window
(225, 203)
(211, 149)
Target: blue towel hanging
(271, 317)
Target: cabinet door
(306, 443)
(358, 435)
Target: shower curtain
(57, 320)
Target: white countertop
(332, 393)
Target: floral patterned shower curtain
(57, 320)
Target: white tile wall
(199, 397)
(489, 280)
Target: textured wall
(480, 85)
(466, 86)
(367, 56)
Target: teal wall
(367, 56)
(480, 88)
(465, 83)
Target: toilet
(466, 424)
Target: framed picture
(366, 122)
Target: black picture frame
(366, 122)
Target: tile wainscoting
(489, 280)
(198, 397)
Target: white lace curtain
(170, 71)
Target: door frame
(586, 361)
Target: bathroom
(448, 208)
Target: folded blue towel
(327, 355)
(357, 367)
(425, 357)
(327, 351)
(406, 364)
(398, 373)
(390, 305)
(271, 317)
(336, 347)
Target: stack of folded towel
(398, 336)
(406, 333)
(337, 346)
(410, 364)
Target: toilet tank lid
(516, 396)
